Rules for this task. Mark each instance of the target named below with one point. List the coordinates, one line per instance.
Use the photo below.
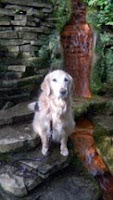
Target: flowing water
(85, 148)
(77, 44)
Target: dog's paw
(45, 151)
(64, 152)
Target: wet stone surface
(28, 175)
(104, 138)
(16, 137)
(18, 113)
(69, 184)
(24, 171)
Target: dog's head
(58, 83)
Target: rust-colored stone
(86, 150)
(77, 44)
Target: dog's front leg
(63, 147)
(45, 145)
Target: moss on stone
(49, 54)
(104, 143)
(102, 64)
(62, 12)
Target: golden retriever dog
(54, 115)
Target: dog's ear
(45, 86)
(71, 85)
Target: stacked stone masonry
(21, 25)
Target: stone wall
(21, 25)
(29, 45)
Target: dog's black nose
(63, 92)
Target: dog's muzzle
(64, 93)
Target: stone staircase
(22, 165)
(14, 89)
(26, 174)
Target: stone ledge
(24, 171)
(7, 12)
(31, 29)
(17, 68)
(20, 112)
(16, 98)
(29, 3)
(21, 82)
(17, 137)
(7, 92)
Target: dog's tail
(33, 106)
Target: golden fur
(55, 105)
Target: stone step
(104, 122)
(10, 75)
(21, 82)
(17, 137)
(23, 172)
(18, 113)
(8, 92)
(7, 12)
(17, 68)
(15, 98)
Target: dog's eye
(66, 80)
(54, 80)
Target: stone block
(8, 34)
(6, 12)
(7, 28)
(15, 114)
(8, 76)
(26, 55)
(35, 12)
(36, 43)
(35, 19)
(4, 21)
(22, 22)
(19, 17)
(26, 48)
(13, 184)
(17, 68)
(49, 25)
(16, 8)
(16, 137)
(21, 82)
(14, 42)
(30, 23)
(31, 29)
(28, 3)
(47, 10)
(27, 35)
(13, 48)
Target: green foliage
(100, 17)
(49, 55)
(102, 71)
(62, 12)
(109, 65)
(104, 11)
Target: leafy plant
(62, 12)
(104, 12)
